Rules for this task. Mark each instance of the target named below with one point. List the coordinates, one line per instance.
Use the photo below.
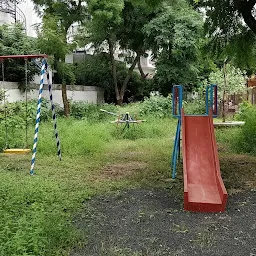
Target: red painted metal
(24, 56)
(204, 190)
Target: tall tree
(174, 39)
(102, 28)
(58, 16)
(120, 24)
(231, 26)
(226, 15)
(13, 41)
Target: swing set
(44, 70)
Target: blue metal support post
(176, 112)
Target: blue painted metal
(177, 105)
(176, 150)
(211, 92)
(210, 102)
(39, 102)
(176, 111)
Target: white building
(11, 12)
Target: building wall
(32, 18)
(90, 94)
(27, 7)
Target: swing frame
(19, 151)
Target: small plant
(244, 109)
(247, 140)
(157, 105)
(205, 239)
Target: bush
(244, 109)
(157, 105)
(15, 121)
(247, 139)
(196, 107)
(95, 70)
(90, 112)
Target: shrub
(15, 120)
(244, 109)
(247, 139)
(95, 70)
(90, 112)
(157, 105)
(194, 107)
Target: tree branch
(245, 8)
(128, 76)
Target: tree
(95, 70)
(131, 35)
(230, 80)
(102, 28)
(225, 16)
(120, 24)
(173, 36)
(13, 41)
(231, 28)
(58, 16)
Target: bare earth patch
(118, 171)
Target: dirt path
(151, 223)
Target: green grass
(37, 213)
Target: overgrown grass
(36, 212)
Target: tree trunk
(246, 9)
(119, 100)
(128, 76)
(143, 75)
(224, 92)
(65, 100)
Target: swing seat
(16, 151)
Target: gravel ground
(151, 222)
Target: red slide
(204, 190)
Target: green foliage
(236, 80)
(196, 107)
(244, 108)
(16, 117)
(52, 38)
(90, 112)
(231, 29)
(173, 37)
(13, 41)
(96, 71)
(157, 105)
(106, 19)
(65, 73)
(247, 140)
(33, 220)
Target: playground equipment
(126, 119)
(204, 190)
(44, 70)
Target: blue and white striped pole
(38, 117)
(53, 114)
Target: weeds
(36, 212)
